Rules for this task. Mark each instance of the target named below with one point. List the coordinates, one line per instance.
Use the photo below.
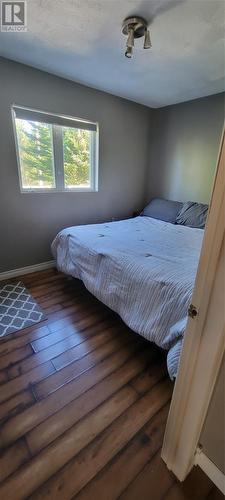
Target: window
(55, 153)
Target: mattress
(143, 269)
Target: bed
(142, 268)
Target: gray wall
(30, 221)
(213, 433)
(184, 145)
(169, 152)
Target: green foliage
(35, 145)
(76, 143)
(36, 155)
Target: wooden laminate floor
(83, 405)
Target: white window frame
(58, 122)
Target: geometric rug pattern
(18, 309)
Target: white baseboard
(26, 270)
(211, 470)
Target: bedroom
(154, 123)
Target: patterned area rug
(18, 309)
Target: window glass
(36, 154)
(77, 157)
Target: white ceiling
(81, 40)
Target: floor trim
(26, 270)
(210, 469)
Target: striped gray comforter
(142, 268)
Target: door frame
(203, 347)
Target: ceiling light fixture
(135, 27)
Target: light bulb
(147, 41)
(129, 52)
(130, 38)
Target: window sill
(53, 191)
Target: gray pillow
(161, 209)
(193, 215)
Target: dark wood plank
(52, 458)
(16, 405)
(74, 370)
(15, 356)
(29, 418)
(54, 308)
(60, 297)
(145, 380)
(59, 422)
(65, 287)
(197, 486)
(35, 277)
(42, 289)
(215, 494)
(84, 348)
(66, 304)
(21, 338)
(3, 377)
(155, 480)
(31, 334)
(71, 311)
(59, 323)
(76, 327)
(131, 460)
(41, 280)
(61, 347)
(66, 317)
(82, 468)
(12, 458)
(22, 382)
